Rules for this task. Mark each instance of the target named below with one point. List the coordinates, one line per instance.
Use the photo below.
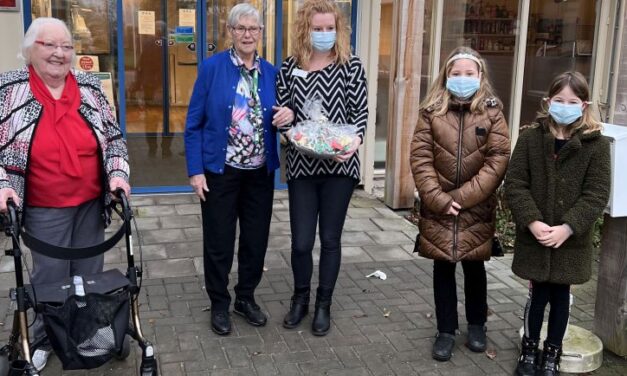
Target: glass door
(489, 27)
(560, 37)
(162, 49)
(160, 67)
(218, 37)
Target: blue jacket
(209, 114)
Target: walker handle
(126, 207)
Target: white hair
(33, 32)
(243, 10)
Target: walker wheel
(149, 373)
(149, 368)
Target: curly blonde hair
(302, 32)
(438, 97)
(578, 84)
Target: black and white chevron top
(343, 91)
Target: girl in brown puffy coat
(459, 155)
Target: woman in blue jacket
(231, 151)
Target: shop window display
(560, 37)
(490, 27)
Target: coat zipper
(459, 161)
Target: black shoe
(220, 322)
(443, 347)
(299, 308)
(322, 319)
(477, 341)
(550, 360)
(528, 359)
(251, 311)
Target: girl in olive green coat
(557, 185)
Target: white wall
(11, 33)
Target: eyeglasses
(241, 30)
(49, 46)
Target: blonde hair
(302, 32)
(438, 97)
(578, 84)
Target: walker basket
(86, 331)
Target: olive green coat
(571, 187)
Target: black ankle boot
(477, 341)
(322, 316)
(528, 359)
(299, 307)
(550, 360)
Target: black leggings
(445, 294)
(558, 296)
(312, 200)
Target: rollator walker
(88, 319)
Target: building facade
(147, 53)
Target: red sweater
(64, 167)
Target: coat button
(230, 106)
(560, 202)
(265, 109)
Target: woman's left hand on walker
(282, 116)
(118, 182)
(349, 153)
(556, 236)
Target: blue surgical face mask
(323, 41)
(565, 114)
(463, 87)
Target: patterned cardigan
(20, 113)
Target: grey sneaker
(40, 358)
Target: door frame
(201, 51)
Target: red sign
(86, 63)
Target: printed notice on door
(146, 22)
(187, 17)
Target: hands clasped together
(550, 236)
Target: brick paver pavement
(380, 327)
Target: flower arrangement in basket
(317, 137)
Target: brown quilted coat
(459, 156)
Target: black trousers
(314, 200)
(541, 294)
(244, 195)
(445, 294)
